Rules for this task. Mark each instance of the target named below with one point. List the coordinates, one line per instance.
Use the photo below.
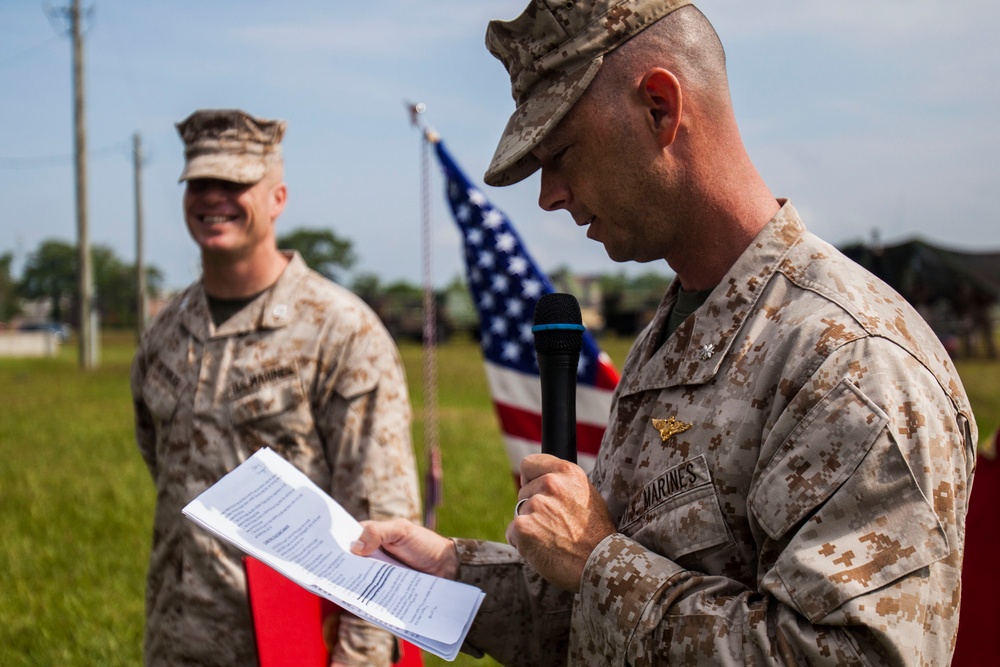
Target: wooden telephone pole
(141, 308)
(87, 330)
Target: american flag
(505, 283)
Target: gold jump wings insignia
(668, 428)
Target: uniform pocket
(677, 513)
(822, 451)
(841, 499)
(267, 401)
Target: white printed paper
(272, 511)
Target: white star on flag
(505, 284)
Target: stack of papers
(272, 511)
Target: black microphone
(558, 330)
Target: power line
(10, 60)
(122, 147)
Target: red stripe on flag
(519, 423)
(528, 426)
(607, 376)
(588, 438)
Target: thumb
(368, 541)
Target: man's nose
(554, 194)
(211, 193)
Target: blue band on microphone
(557, 327)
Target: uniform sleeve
(364, 422)
(859, 515)
(145, 431)
(523, 620)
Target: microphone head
(557, 326)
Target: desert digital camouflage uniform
(800, 498)
(306, 369)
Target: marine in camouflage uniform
(805, 504)
(305, 368)
(786, 471)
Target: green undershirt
(223, 309)
(687, 303)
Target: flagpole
(432, 450)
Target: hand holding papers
(273, 512)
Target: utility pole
(87, 330)
(141, 309)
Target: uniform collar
(694, 353)
(271, 310)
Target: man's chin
(216, 247)
(617, 254)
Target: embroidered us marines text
(676, 480)
(268, 376)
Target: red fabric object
(979, 619)
(288, 621)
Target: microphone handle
(557, 373)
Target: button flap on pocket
(357, 381)
(816, 457)
(268, 400)
(677, 513)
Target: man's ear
(279, 195)
(661, 92)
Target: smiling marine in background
(261, 351)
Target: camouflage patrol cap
(230, 145)
(552, 52)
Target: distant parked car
(60, 330)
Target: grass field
(76, 500)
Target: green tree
(322, 250)
(404, 289)
(651, 282)
(50, 273)
(458, 306)
(367, 286)
(112, 285)
(629, 303)
(613, 283)
(9, 306)
(115, 285)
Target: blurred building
(956, 292)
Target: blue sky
(869, 115)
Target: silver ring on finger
(517, 507)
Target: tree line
(50, 275)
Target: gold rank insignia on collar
(668, 428)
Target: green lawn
(76, 500)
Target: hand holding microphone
(560, 516)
